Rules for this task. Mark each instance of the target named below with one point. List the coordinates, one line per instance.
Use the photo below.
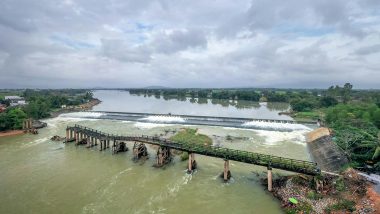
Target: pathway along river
(41, 176)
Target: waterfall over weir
(164, 119)
(245, 123)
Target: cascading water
(275, 126)
(164, 119)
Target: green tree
(346, 92)
(16, 116)
(328, 101)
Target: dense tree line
(356, 130)
(40, 104)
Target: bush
(184, 156)
(328, 101)
(302, 105)
(12, 119)
(339, 185)
(301, 207)
(313, 195)
(343, 205)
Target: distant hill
(156, 87)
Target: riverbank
(11, 133)
(82, 107)
(324, 151)
(349, 192)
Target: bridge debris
(163, 156)
(119, 147)
(139, 151)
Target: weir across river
(234, 122)
(91, 137)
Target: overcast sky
(197, 43)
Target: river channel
(38, 175)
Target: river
(41, 176)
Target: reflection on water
(123, 101)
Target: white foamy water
(275, 137)
(149, 125)
(35, 142)
(82, 114)
(164, 119)
(275, 126)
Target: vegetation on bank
(39, 105)
(190, 136)
(328, 194)
(353, 115)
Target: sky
(197, 43)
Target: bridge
(91, 137)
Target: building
(3, 108)
(15, 100)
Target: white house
(15, 100)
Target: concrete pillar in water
(30, 124)
(226, 172)
(67, 135)
(76, 138)
(159, 157)
(270, 179)
(191, 163)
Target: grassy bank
(190, 136)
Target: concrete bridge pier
(107, 143)
(139, 151)
(114, 145)
(163, 156)
(192, 164)
(270, 182)
(76, 138)
(101, 145)
(226, 172)
(67, 135)
(71, 135)
(88, 141)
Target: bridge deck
(288, 164)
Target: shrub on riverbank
(12, 119)
(191, 136)
(332, 194)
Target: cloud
(250, 43)
(176, 40)
(368, 50)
